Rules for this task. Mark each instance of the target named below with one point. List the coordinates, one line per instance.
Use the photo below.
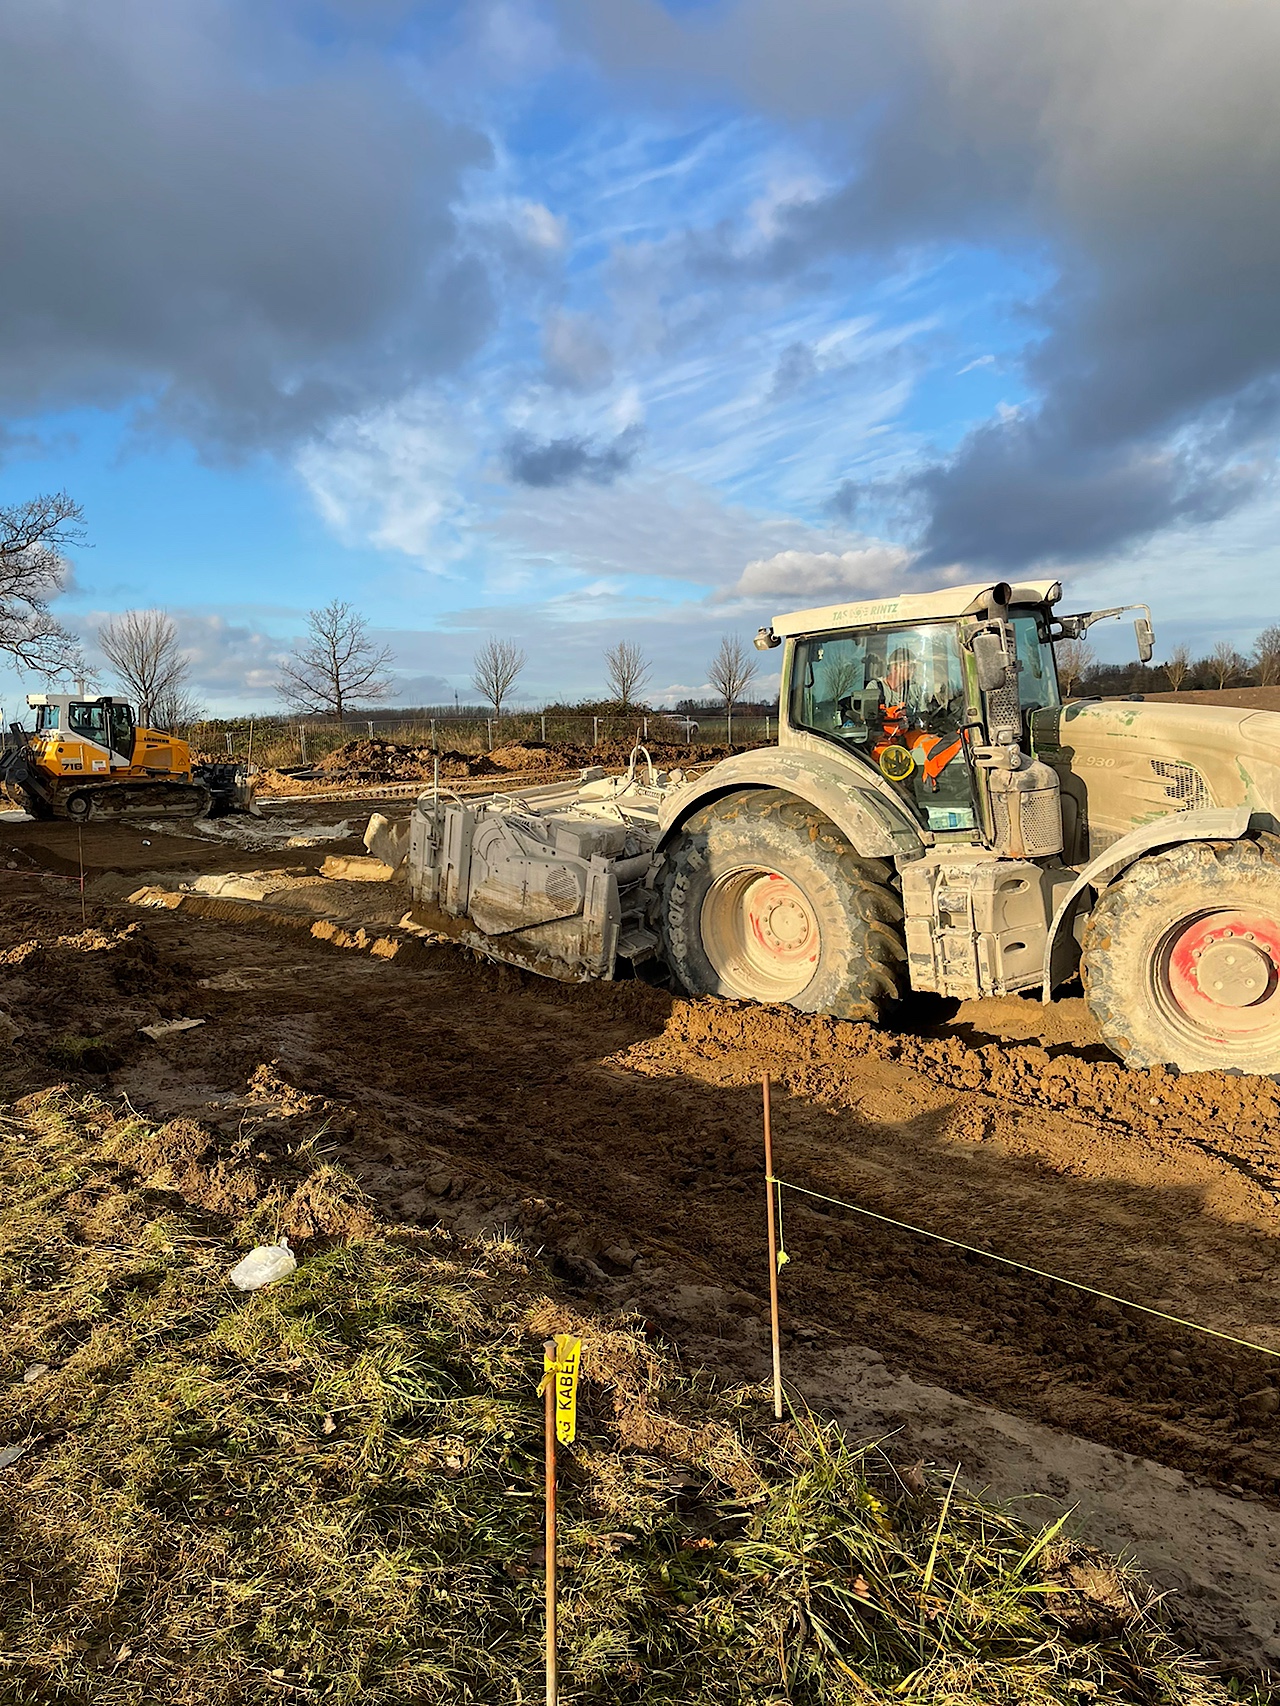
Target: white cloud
(393, 478)
(229, 660)
(871, 569)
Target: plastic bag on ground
(263, 1266)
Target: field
(616, 1131)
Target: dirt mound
(377, 761)
(532, 755)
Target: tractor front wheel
(1181, 959)
(763, 899)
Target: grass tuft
(330, 1490)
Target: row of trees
(335, 666)
(338, 665)
(498, 664)
(1223, 666)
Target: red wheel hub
(780, 922)
(1224, 972)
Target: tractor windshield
(896, 696)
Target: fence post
(370, 728)
(730, 726)
(688, 731)
(646, 728)
(433, 734)
(248, 763)
(228, 743)
(544, 728)
(488, 723)
(766, 728)
(302, 740)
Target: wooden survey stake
(561, 1359)
(770, 1202)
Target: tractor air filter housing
(1026, 810)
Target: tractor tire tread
(870, 976)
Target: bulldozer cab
(108, 723)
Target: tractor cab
(932, 689)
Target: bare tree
(1266, 656)
(32, 571)
(731, 672)
(1075, 658)
(495, 669)
(1225, 664)
(177, 709)
(336, 666)
(1178, 667)
(142, 648)
(627, 670)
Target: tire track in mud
(608, 1120)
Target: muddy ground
(619, 1129)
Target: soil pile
(376, 763)
(331, 1487)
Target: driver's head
(897, 673)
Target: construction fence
(284, 744)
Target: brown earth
(620, 1129)
(363, 763)
(1247, 698)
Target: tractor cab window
(46, 718)
(896, 696)
(1037, 672)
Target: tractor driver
(921, 712)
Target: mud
(620, 1131)
(378, 763)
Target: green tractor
(933, 817)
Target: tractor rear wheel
(763, 899)
(1181, 959)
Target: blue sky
(579, 322)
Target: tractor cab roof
(949, 602)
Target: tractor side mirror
(992, 662)
(1146, 639)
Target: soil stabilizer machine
(934, 817)
(88, 759)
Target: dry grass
(330, 1490)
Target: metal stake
(773, 1252)
(80, 846)
(553, 1680)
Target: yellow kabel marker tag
(561, 1367)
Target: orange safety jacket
(937, 750)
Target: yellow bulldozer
(89, 759)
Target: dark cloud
(1128, 146)
(201, 208)
(1015, 493)
(559, 461)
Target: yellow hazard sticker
(560, 1362)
